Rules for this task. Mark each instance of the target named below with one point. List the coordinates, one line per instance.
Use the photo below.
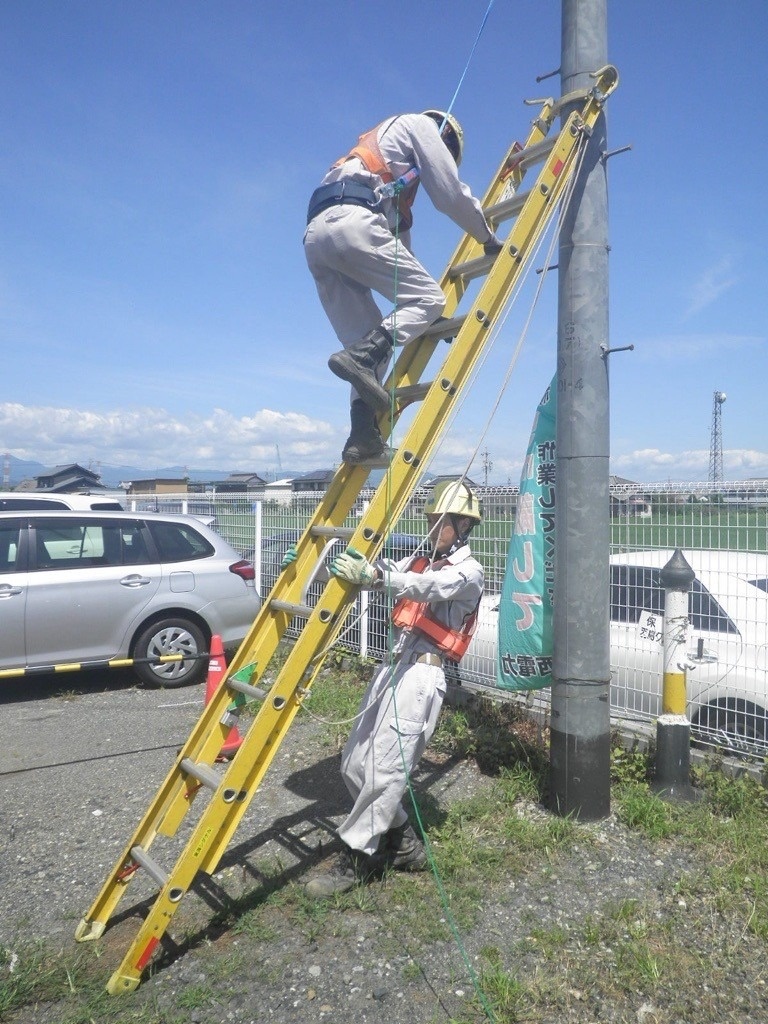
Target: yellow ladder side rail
(272, 721)
(265, 734)
(219, 821)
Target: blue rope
(469, 60)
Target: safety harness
(410, 614)
(339, 192)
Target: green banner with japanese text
(525, 632)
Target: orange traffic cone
(217, 668)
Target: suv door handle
(134, 580)
(6, 590)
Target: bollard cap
(677, 573)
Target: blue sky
(156, 161)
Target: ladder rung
(507, 208)
(202, 772)
(534, 154)
(246, 689)
(445, 327)
(207, 776)
(375, 461)
(472, 268)
(150, 865)
(412, 392)
(341, 532)
(302, 610)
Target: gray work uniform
(352, 251)
(403, 701)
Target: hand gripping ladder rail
(232, 788)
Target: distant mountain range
(113, 476)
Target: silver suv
(96, 586)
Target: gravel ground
(78, 772)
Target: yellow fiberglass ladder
(231, 788)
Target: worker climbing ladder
(232, 788)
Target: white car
(726, 653)
(41, 501)
(90, 587)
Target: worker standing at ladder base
(358, 241)
(436, 602)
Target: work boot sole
(325, 886)
(371, 392)
(362, 457)
(409, 862)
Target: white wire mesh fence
(721, 529)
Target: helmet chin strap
(461, 538)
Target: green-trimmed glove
(289, 557)
(353, 567)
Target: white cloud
(687, 347)
(712, 283)
(153, 437)
(652, 464)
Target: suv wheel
(171, 636)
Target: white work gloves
(289, 557)
(493, 246)
(353, 567)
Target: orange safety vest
(410, 614)
(367, 150)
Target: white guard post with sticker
(650, 628)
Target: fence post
(673, 729)
(364, 598)
(257, 540)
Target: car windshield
(636, 589)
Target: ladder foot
(87, 930)
(119, 983)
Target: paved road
(80, 758)
(80, 761)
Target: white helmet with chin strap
(451, 132)
(453, 498)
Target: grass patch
(618, 954)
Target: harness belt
(424, 659)
(346, 192)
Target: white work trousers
(402, 707)
(351, 253)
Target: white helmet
(452, 497)
(451, 132)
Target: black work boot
(365, 442)
(357, 364)
(403, 849)
(349, 868)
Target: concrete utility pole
(580, 727)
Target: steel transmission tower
(716, 440)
